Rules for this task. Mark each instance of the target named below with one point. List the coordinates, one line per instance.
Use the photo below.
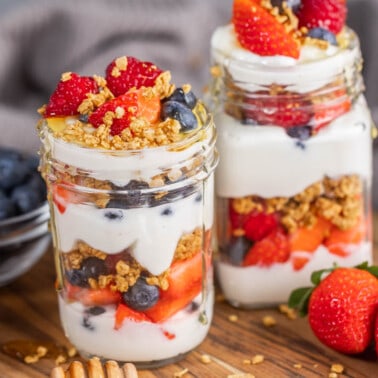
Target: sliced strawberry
(284, 109)
(260, 32)
(299, 262)
(328, 111)
(258, 225)
(339, 239)
(63, 196)
(185, 283)
(274, 248)
(124, 312)
(376, 333)
(71, 90)
(134, 104)
(125, 73)
(330, 14)
(92, 297)
(308, 239)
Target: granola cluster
(127, 269)
(337, 200)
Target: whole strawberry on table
(342, 307)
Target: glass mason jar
(294, 179)
(131, 232)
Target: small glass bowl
(23, 240)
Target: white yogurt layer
(314, 68)
(152, 233)
(265, 161)
(255, 286)
(134, 341)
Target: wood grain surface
(28, 311)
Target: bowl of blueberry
(24, 214)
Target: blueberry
(10, 153)
(293, 4)
(237, 249)
(25, 198)
(198, 197)
(299, 132)
(181, 113)
(36, 182)
(84, 118)
(87, 323)
(116, 215)
(324, 34)
(186, 98)
(92, 267)
(32, 162)
(76, 277)
(141, 296)
(134, 198)
(7, 208)
(167, 211)
(12, 171)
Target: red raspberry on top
(260, 32)
(125, 73)
(330, 14)
(120, 111)
(71, 90)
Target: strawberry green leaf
(299, 299)
(373, 269)
(316, 276)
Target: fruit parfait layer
(294, 135)
(128, 160)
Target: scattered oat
(241, 375)
(247, 361)
(41, 351)
(337, 368)
(71, 352)
(297, 366)
(257, 359)
(269, 321)
(233, 318)
(31, 359)
(286, 310)
(333, 375)
(181, 373)
(60, 359)
(205, 359)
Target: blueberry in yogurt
(141, 296)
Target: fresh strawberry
(92, 297)
(259, 225)
(134, 104)
(260, 32)
(330, 14)
(71, 90)
(283, 109)
(339, 239)
(342, 306)
(274, 248)
(125, 73)
(124, 312)
(185, 283)
(376, 334)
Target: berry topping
(330, 14)
(69, 94)
(120, 111)
(141, 296)
(260, 32)
(274, 248)
(125, 73)
(76, 277)
(7, 208)
(323, 34)
(301, 133)
(186, 98)
(181, 113)
(114, 215)
(25, 197)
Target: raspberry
(259, 225)
(69, 94)
(125, 73)
(330, 14)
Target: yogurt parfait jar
(130, 185)
(294, 135)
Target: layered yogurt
(294, 135)
(128, 160)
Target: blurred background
(40, 39)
